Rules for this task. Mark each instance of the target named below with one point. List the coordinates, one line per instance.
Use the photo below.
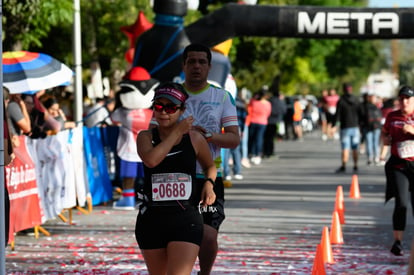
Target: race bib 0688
(171, 186)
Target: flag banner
(21, 184)
(50, 174)
(100, 186)
(75, 150)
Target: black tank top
(180, 159)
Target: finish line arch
(159, 49)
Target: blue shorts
(350, 138)
(129, 169)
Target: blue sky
(391, 3)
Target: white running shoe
(256, 160)
(245, 163)
(238, 177)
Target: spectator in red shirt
(259, 111)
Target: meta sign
(357, 23)
(236, 20)
(302, 22)
(346, 23)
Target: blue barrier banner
(96, 166)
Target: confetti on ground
(85, 250)
(274, 220)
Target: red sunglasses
(169, 109)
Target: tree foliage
(102, 38)
(406, 67)
(25, 23)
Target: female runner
(398, 132)
(169, 225)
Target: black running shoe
(397, 248)
(340, 170)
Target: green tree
(47, 26)
(257, 61)
(25, 23)
(102, 38)
(406, 61)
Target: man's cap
(175, 95)
(406, 91)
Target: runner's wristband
(212, 181)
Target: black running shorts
(163, 224)
(214, 215)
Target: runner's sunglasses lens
(169, 109)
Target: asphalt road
(275, 218)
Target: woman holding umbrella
(28, 73)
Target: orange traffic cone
(318, 267)
(339, 204)
(326, 246)
(336, 230)
(354, 192)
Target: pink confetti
(99, 249)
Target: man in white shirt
(215, 117)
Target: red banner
(21, 183)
